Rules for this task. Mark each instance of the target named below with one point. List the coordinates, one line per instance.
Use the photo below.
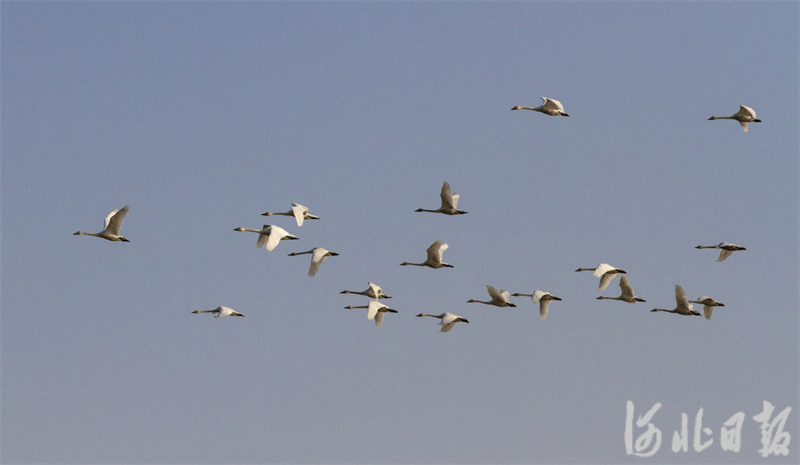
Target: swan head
(239, 229)
(79, 233)
(419, 210)
(712, 118)
(517, 108)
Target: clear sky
(202, 115)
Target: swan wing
(496, 294)
(606, 279)
(378, 319)
(436, 250)
(723, 254)
(707, 311)
(299, 212)
(374, 289)
(319, 256)
(680, 299)
(374, 306)
(447, 196)
(602, 269)
(537, 295)
(746, 112)
(624, 285)
(262, 240)
(114, 219)
(744, 125)
(543, 307)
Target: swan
(448, 320)
(376, 311)
(743, 116)
(299, 212)
(270, 236)
(727, 249)
(434, 259)
(220, 312)
(111, 226)
(708, 305)
(549, 107)
(373, 291)
(627, 292)
(683, 306)
(543, 297)
(499, 298)
(318, 256)
(605, 272)
(449, 202)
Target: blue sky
(202, 115)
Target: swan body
(499, 298)
(543, 298)
(434, 259)
(727, 249)
(375, 311)
(449, 202)
(743, 116)
(448, 320)
(299, 212)
(550, 107)
(627, 292)
(683, 306)
(269, 236)
(373, 291)
(605, 272)
(111, 226)
(220, 312)
(318, 255)
(708, 305)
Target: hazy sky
(202, 115)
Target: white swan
(318, 255)
(299, 212)
(220, 312)
(743, 116)
(434, 259)
(269, 236)
(543, 297)
(499, 298)
(449, 202)
(375, 311)
(448, 320)
(605, 272)
(549, 107)
(708, 305)
(727, 249)
(627, 292)
(373, 291)
(683, 306)
(111, 226)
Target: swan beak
(516, 108)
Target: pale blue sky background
(203, 115)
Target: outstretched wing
(299, 212)
(114, 220)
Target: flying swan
(375, 311)
(448, 320)
(434, 259)
(683, 306)
(299, 212)
(318, 255)
(373, 291)
(449, 202)
(543, 297)
(743, 116)
(549, 107)
(220, 312)
(269, 236)
(727, 249)
(111, 226)
(499, 298)
(605, 272)
(708, 305)
(627, 292)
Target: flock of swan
(269, 236)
